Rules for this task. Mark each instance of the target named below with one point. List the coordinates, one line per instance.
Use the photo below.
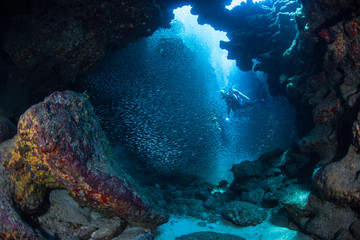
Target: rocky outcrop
(60, 144)
(322, 219)
(280, 182)
(244, 213)
(255, 32)
(339, 180)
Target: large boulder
(340, 181)
(244, 213)
(60, 144)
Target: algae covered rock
(244, 213)
(60, 144)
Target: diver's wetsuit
(234, 100)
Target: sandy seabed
(182, 225)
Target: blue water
(159, 99)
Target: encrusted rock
(60, 144)
(327, 111)
(244, 213)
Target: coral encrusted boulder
(60, 144)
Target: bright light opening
(235, 3)
(209, 38)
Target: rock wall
(323, 82)
(48, 45)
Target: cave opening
(235, 3)
(160, 102)
(161, 96)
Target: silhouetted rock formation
(47, 45)
(7, 129)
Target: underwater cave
(180, 120)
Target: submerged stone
(60, 144)
(339, 181)
(244, 213)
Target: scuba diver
(235, 100)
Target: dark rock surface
(60, 145)
(355, 229)
(254, 31)
(48, 45)
(7, 129)
(12, 225)
(209, 236)
(339, 180)
(330, 220)
(66, 219)
(244, 213)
